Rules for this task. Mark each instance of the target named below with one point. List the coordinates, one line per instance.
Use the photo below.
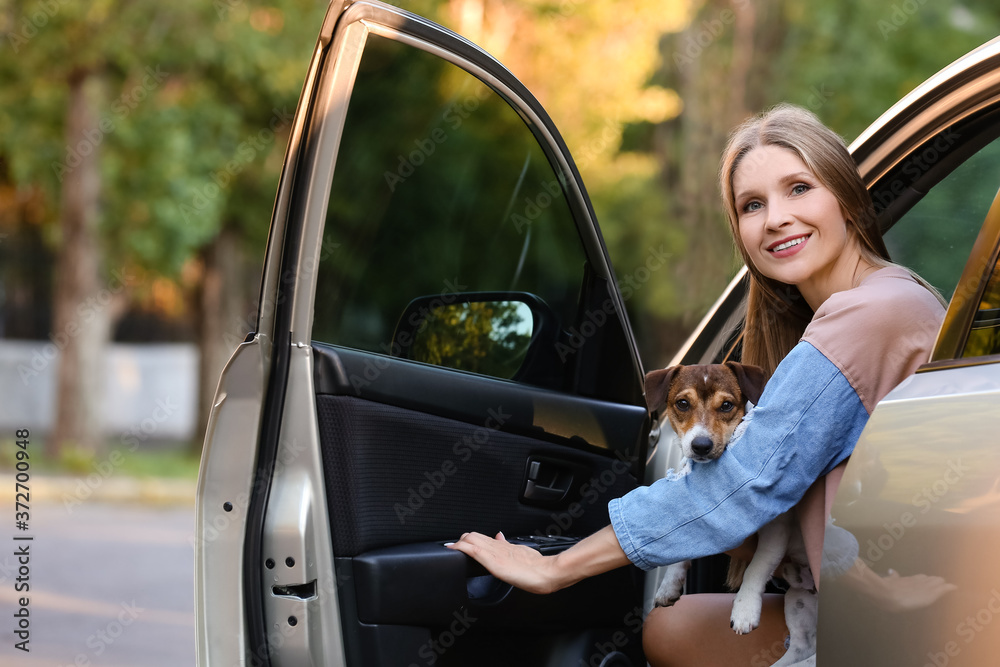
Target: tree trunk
(83, 312)
(719, 62)
(225, 316)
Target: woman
(836, 324)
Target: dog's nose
(701, 445)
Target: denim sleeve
(807, 421)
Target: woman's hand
(913, 592)
(516, 564)
(895, 593)
(529, 570)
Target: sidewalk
(115, 489)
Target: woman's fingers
(516, 564)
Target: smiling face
(792, 225)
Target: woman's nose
(778, 215)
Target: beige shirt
(877, 334)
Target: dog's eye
(727, 406)
(682, 405)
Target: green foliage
(850, 60)
(195, 97)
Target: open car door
(441, 348)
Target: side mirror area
(507, 335)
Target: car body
(441, 346)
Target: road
(111, 585)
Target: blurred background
(141, 142)
(140, 147)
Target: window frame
(337, 78)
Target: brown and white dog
(704, 405)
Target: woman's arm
(529, 570)
(807, 421)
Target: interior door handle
(547, 481)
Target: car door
(441, 347)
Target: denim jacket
(807, 421)
(859, 345)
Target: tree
(131, 115)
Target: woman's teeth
(789, 244)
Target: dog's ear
(658, 386)
(750, 378)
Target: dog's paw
(668, 594)
(672, 585)
(798, 576)
(665, 600)
(746, 614)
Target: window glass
(441, 191)
(984, 337)
(934, 237)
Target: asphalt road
(111, 585)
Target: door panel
(434, 195)
(396, 476)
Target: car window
(984, 336)
(935, 237)
(441, 193)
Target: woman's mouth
(788, 246)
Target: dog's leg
(672, 584)
(801, 608)
(772, 540)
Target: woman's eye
(800, 188)
(751, 206)
(682, 405)
(727, 406)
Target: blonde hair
(777, 314)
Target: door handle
(548, 481)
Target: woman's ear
(657, 386)
(750, 378)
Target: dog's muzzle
(701, 446)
